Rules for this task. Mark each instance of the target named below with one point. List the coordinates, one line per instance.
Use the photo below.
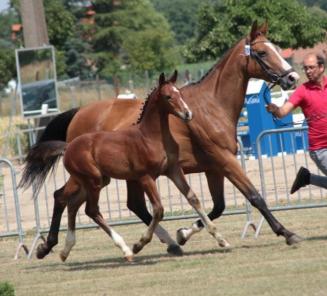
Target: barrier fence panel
(277, 173)
(10, 216)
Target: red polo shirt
(313, 102)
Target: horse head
(171, 97)
(265, 61)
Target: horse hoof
(224, 244)
(62, 256)
(41, 251)
(175, 250)
(180, 237)
(293, 239)
(129, 258)
(137, 248)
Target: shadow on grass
(317, 238)
(138, 260)
(118, 262)
(152, 259)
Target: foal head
(265, 61)
(170, 97)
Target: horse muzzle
(289, 81)
(187, 116)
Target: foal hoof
(180, 237)
(129, 258)
(224, 244)
(41, 251)
(175, 250)
(293, 239)
(62, 256)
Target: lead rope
(275, 119)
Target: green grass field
(263, 266)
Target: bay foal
(141, 152)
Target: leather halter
(274, 77)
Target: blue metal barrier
(254, 119)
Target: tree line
(134, 36)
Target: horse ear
(264, 28)
(162, 78)
(173, 78)
(254, 30)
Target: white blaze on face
(286, 66)
(183, 102)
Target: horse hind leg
(74, 203)
(59, 206)
(216, 188)
(240, 180)
(92, 210)
(150, 188)
(136, 203)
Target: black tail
(44, 155)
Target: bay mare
(208, 144)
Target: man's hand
(272, 108)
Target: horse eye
(261, 54)
(167, 97)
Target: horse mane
(218, 64)
(144, 105)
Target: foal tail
(41, 158)
(44, 155)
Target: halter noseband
(273, 76)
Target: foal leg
(92, 210)
(178, 178)
(216, 188)
(74, 203)
(136, 203)
(150, 188)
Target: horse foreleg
(179, 180)
(216, 188)
(150, 188)
(235, 173)
(59, 206)
(136, 203)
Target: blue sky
(4, 4)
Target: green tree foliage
(131, 35)
(60, 22)
(220, 25)
(7, 45)
(7, 66)
(76, 52)
(181, 15)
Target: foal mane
(145, 104)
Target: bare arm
(280, 111)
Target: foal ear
(173, 78)
(162, 78)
